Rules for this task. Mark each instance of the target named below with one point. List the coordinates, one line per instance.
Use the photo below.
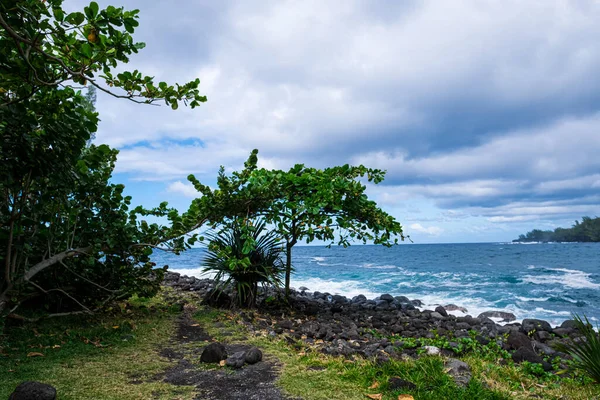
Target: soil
(255, 381)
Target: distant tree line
(588, 230)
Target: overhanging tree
(66, 232)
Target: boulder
(33, 391)
(213, 353)
(441, 310)
(525, 354)
(437, 315)
(459, 371)
(536, 325)
(569, 324)
(387, 297)
(253, 355)
(236, 360)
(517, 340)
(506, 316)
(454, 307)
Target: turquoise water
(548, 281)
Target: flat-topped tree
(325, 204)
(302, 204)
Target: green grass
(114, 356)
(308, 373)
(110, 357)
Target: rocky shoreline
(337, 325)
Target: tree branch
(37, 268)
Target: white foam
(371, 266)
(347, 288)
(532, 298)
(318, 259)
(571, 278)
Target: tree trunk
(288, 266)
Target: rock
(436, 315)
(236, 360)
(217, 298)
(454, 307)
(517, 340)
(387, 297)
(506, 316)
(402, 299)
(569, 324)
(543, 348)
(525, 354)
(396, 383)
(359, 299)
(285, 324)
(416, 303)
(33, 391)
(535, 325)
(543, 335)
(459, 371)
(563, 331)
(431, 350)
(253, 355)
(213, 353)
(441, 310)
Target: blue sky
(486, 114)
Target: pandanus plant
(244, 254)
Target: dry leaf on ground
(405, 397)
(377, 396)
(34, 354)
(375, 385)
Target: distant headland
(588, 230)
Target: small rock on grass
(459, 371)
(236, 360)
(33, 391)
(396, 383)
(253, 355)
(213, 353)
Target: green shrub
(242, 253)
(586, 352)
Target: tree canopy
(588, 230)
(67, 234)
(302, 204)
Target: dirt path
(255, 381)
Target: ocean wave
(318, 259)
(570, 278)
(527, 299)
(373, 266)
(348, 288)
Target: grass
(310, 374)
(109, 357)
(114, 356)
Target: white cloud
(186, 189)
(432, 230)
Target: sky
(485, 114)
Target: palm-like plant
(585, 352)
(243, 254)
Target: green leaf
(86, 49)
(94, 8)
(75, 18)
(59, 14)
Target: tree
(67, 234)
(325, 204)
(41, 46)
(302, 204)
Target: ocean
(550, 281)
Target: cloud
(488, 109)
(186, 189)
(432, 230)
